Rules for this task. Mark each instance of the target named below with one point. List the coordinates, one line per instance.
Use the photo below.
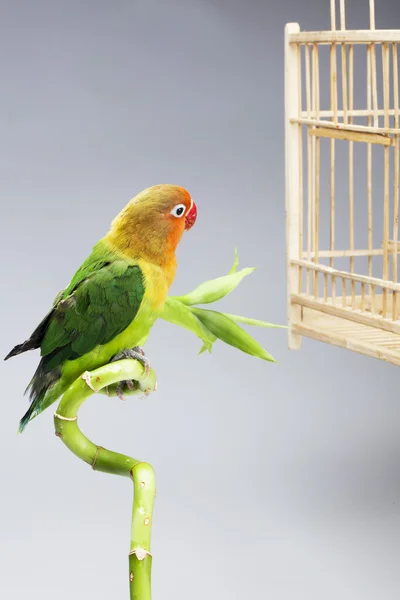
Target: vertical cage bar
(301, 183)
(386, 91)
(316, 165)
(334, 109)
(333, 15)
(369, 160)
(351, 175)
(292, 110)
(344, 292)
(342, 15)
(372, 14)
(374, 101)
(373, 71)
(344, 100)
(309, 165)
(396, 176)
(362, 297)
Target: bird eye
(178, 210)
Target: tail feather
(41, 382)
(35, 339)
(30, 414)
(24, 347)
(44, 377)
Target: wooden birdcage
(342, 186)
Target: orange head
(152, 224)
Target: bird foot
(136, 353)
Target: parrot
(111, 303)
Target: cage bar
(342, 280)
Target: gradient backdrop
(273, 481)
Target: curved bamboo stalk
(104, 380)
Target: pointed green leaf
(204, 348)
(235, 262)
(177, 313)
(229, 332)
(254, 322)
(214, 289)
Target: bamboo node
(141, 553)
(65, 418)
(87, 379)
(139, 462)
(96, 456)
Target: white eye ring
(178, 210)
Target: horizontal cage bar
(360, 36)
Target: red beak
(191, 217)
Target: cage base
(339, 331)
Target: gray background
(273, 481)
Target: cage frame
(367, 323)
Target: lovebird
(110, 305)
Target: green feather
(88, 325)
(84, 319)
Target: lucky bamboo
(104, 380)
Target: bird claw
(120, 388)
(138, 354)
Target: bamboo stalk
(396, 175)
(101, 459)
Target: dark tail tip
(20, 348)
(30, 413)
(16, 350)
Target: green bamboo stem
(104, 380)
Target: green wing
(98, 308)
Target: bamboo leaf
(229, 332)
(214, 289)
(235, 262)
(255, 322)
(177, 313)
